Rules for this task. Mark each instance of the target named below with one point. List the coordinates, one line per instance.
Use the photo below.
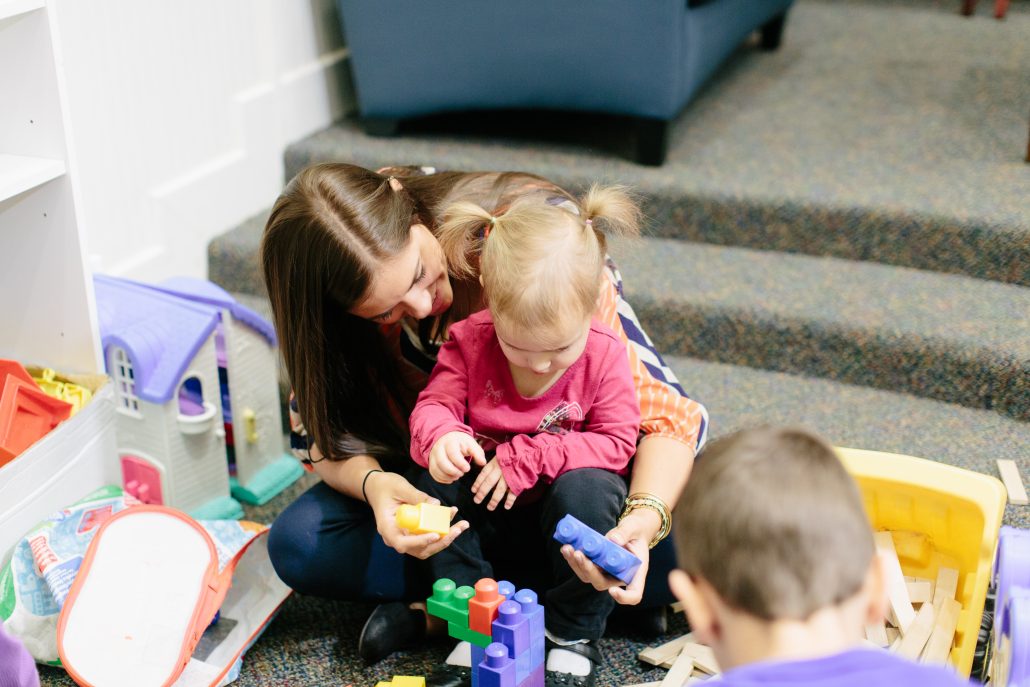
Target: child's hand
(490, 477)
(449, 457)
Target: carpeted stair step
(738, 397)
(948, 337)
(956, 339)
(682, 201)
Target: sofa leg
(772, 32)
(652, 140)
(380, 126)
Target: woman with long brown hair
(361, 297)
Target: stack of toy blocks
(505, 628)
(606, 554)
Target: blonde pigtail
(461, 235)
(611, 211)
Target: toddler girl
(539, 396)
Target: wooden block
(919, 631)
(677, 607)
(704, 657)
(680, 671)
(897, 592)
(938, 648)
(893, 648)
(892, 634)
(657, 655)
(876, 633)
(1013, 484)
(927, 580)
(919, 592)
(946, 586)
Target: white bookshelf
(47, 313)
(20, 173)
(12, 8)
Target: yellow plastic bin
(939, 515)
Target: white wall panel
(179, 113)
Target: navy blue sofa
(641, 58)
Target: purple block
(506, 589)
(511, 629)
(478, 655)
(1015, 632)
(533, 612)
(535, 679)
(497, 669)
(606, 554)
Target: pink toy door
(142, 480)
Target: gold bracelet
(645, 500)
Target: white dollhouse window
(196, 416)
(124, 382)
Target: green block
(467, 635)
(449, 603)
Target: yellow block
(423, 518)
(404, 681)
(939, 516)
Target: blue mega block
(497, 669)
(511, 629)
(606, 554)
(533, 612)
(478, 654)
(535, 679)
(506, 589)
(523, 666)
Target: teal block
(271, 480)
(222, 508)
(466, 635)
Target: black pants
(518, 545)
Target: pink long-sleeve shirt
(589, 417)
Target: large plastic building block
(478, 655)
(505, 589)
(512, 629)
(26, 414)
(535, 678)
(450, 603)
(424, 518)
(462, 633)
(497, 669)
(404, 681)
(606, 554)
(483, 606)
(533, 612)
(1011, 660)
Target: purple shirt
(854, 668)
(17, 669)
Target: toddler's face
(547, 351)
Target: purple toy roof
(203, 291)
(160, 333)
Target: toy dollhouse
(183, 355)
(248, 368)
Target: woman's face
(413, 283)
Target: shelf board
(12, 8)
(19, 173)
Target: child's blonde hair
(540, 262)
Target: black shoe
(450, 676)
(593, 654)
(391, 626)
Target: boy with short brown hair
(779, 573)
